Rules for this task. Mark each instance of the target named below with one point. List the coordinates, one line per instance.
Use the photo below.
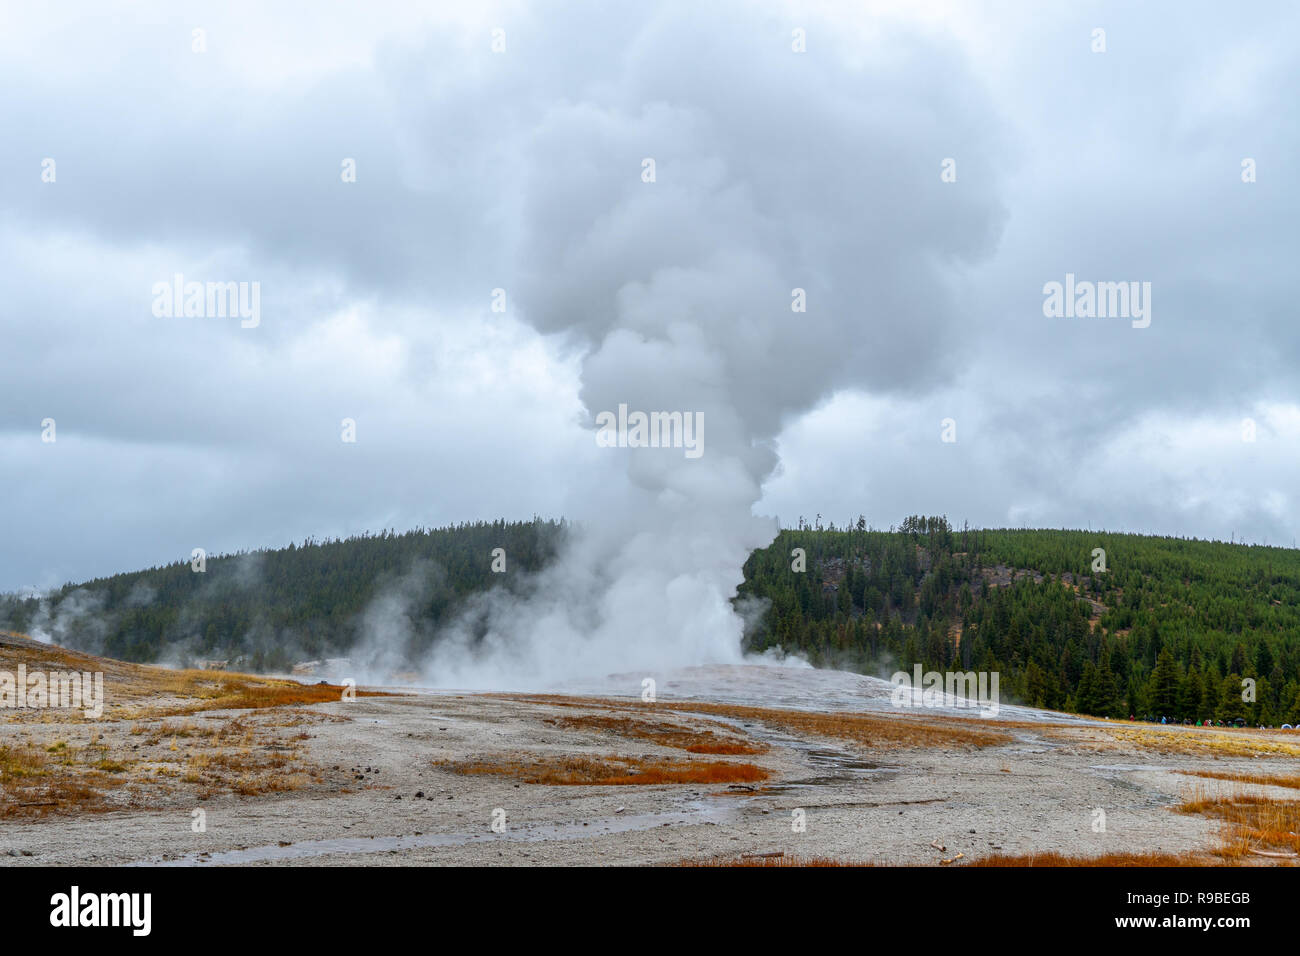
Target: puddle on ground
(838, 768)
(698, 812)
(1111, 772)
(1125, 767)
(833, 766)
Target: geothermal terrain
(758, 764)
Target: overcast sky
(521, 169)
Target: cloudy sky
(503, 146)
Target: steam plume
(774, 171)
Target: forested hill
(1171, 627)
(267, 610)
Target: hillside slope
(266, 610)
(1171, 627)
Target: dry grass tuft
(34, 784)
(18, 763)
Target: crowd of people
(1188, 722)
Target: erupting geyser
(722, 288)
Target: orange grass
(666, 734)
(132, 754)
(143, 691)
(35, 784)
(570, 770)
(61, 778)
(879, 731)
(997, 860)
(253, 693)
(774, 861)
(1051, 858)
(1175, 741)
(1252, 824)
(1291, 781)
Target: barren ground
(419, 780)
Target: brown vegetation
(241, 692)
(140, 691)
(138, 752)
(1254, 826)
(232, 756)
(568, 770)
(997, 860)
(773, 860)
(877, 731)
(1177, 741)
(1291, 781)
(35, 784)
(1106, 859)
(881, 731)
(678, 736)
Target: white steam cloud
(774, 171)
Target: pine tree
(1231, 706)
(1164, 685)
(1190, 695)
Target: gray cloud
(521, 171)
